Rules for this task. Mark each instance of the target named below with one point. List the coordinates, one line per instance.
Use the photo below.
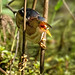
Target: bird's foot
(42, 45)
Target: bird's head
(41, 24)
(45, 27)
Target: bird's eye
(43, 26)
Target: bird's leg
(42, 41)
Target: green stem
(14, 40)
(0, 6)
(53, 17)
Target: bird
(35, 24)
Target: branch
(42, 53)
(24, 39)
(34, 4)
(10, 7)
(25, 15)
(3, 71)
(24, 28)
(67, 7)
(45, 12)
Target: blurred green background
(60, 52)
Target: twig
(42, 53)
(24, 39)
(11, 8)
(45, 12)
(15, 52)
(24, 29)
(16, 46)
(25, 15)
(34, 4)
(67, 7)
(3, 71)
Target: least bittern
(35, 24)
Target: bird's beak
(48, 25)
(47, 28)
(48, 32)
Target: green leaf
(1, 48)
(58, 5)
(5, 51)
(31, 71)
(61, 59)
(5, 61)
(67, 57)
(56, 22)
